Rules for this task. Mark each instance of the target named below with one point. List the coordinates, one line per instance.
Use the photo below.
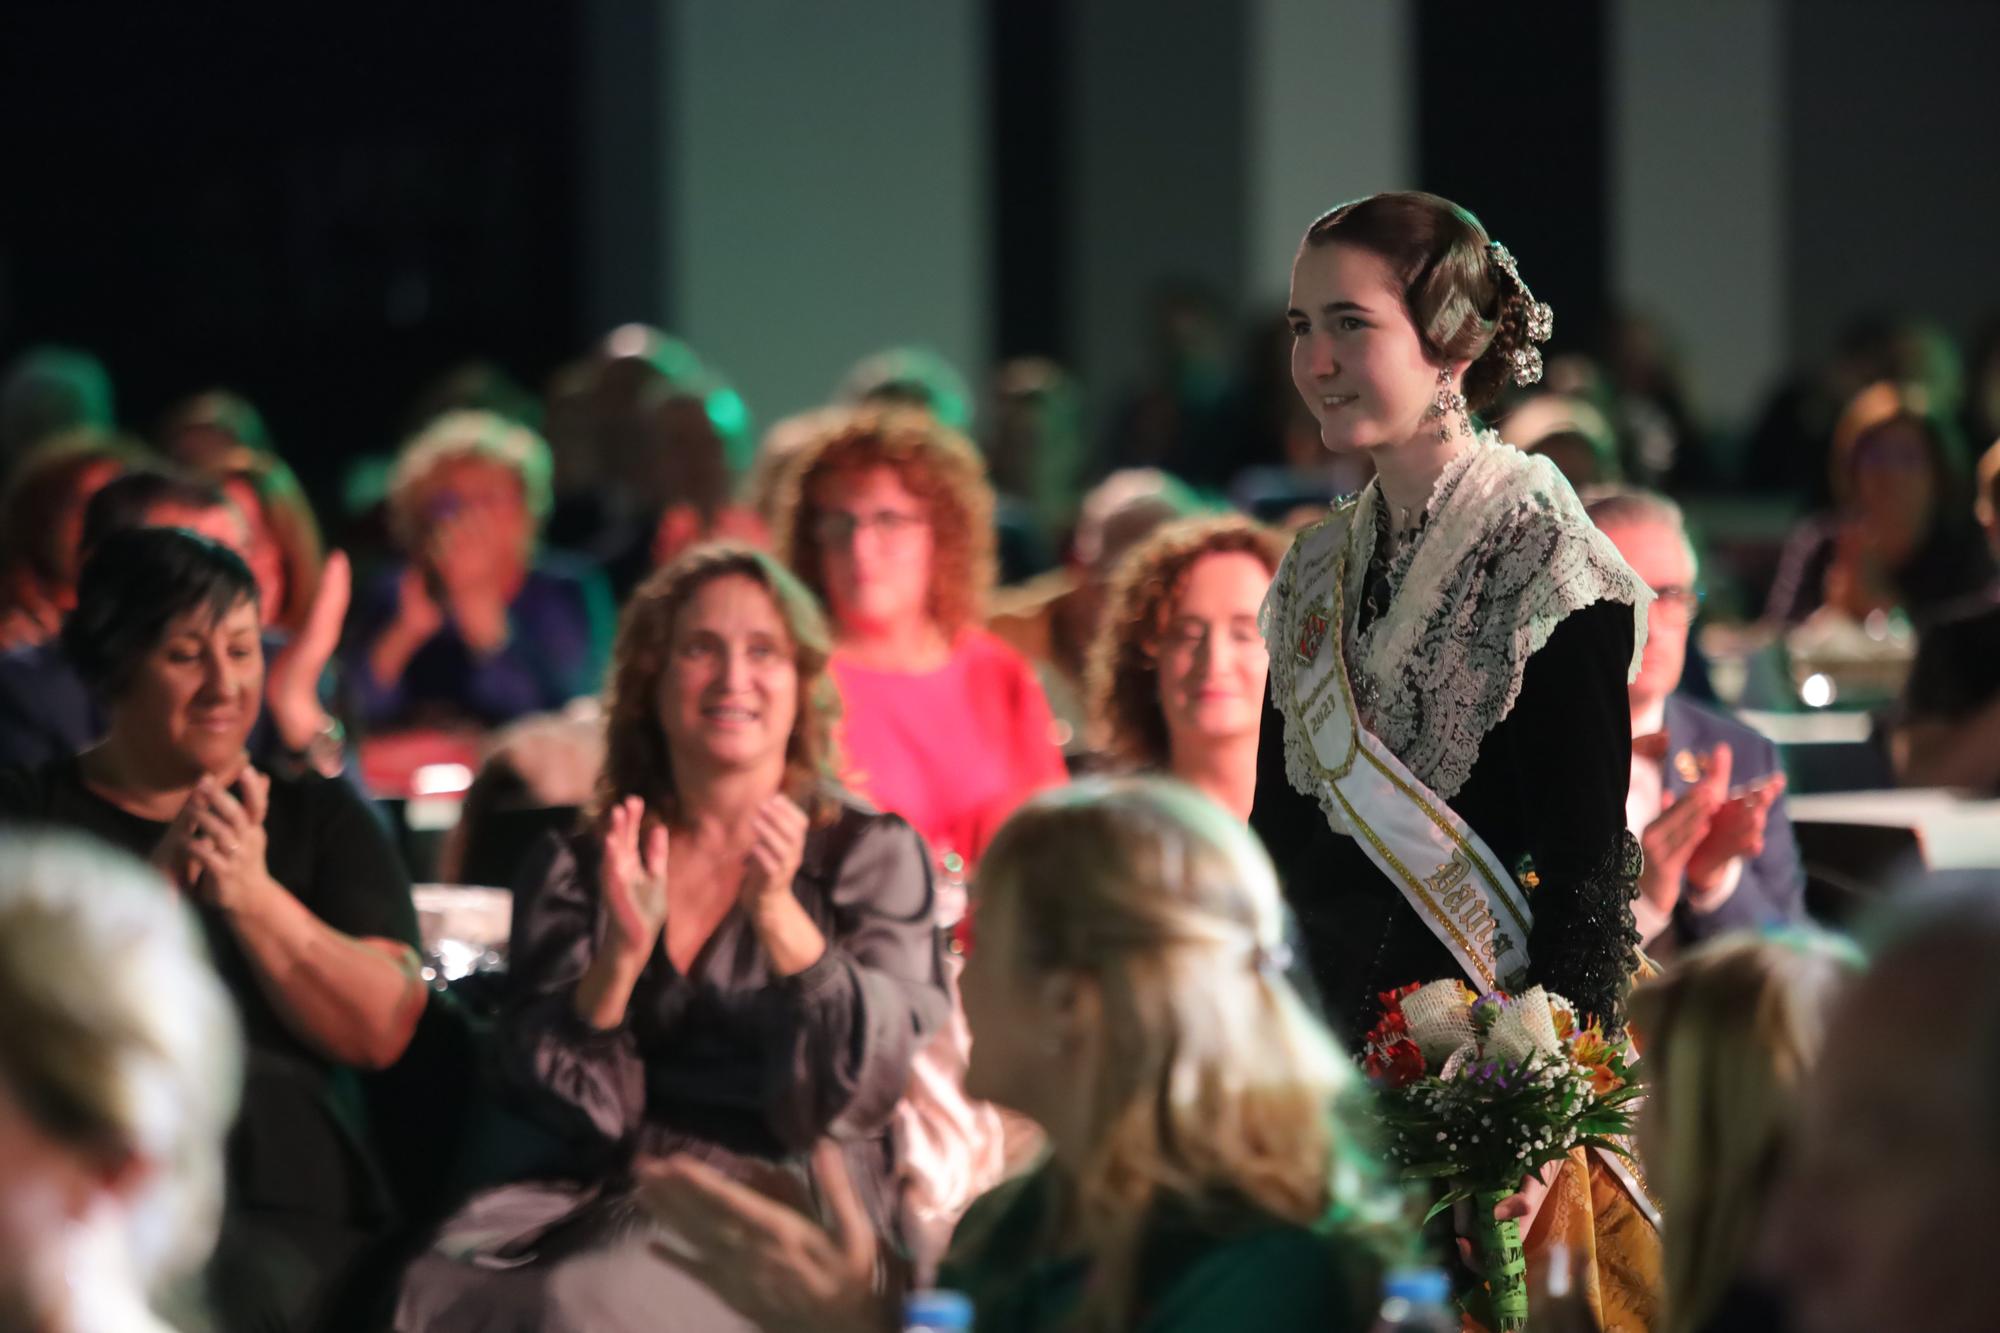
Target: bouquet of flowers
(1478, 1091)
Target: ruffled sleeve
(844, 1032)
(585, 1083)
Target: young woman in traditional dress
(1442, 771)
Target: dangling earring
(1447, 403)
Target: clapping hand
(228, 840)
(467, 554)
(634, 882)
(1736, 830)
(778, 843)
(1682, 826)
(291, 688)
(772, 1264)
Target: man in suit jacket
(1706, 800)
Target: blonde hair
(1729, 1034)
(119, 1039)
(468, 433)
(1216, 1082)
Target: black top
(728, 1061)
(293, 1149)
(1957, 671)
(1952, 563)
(1549, 785)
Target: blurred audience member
(577, 470)
(1206, 1168)
(1788, 447)
(1900, 534)
(1706, 799)
(1982, 393)
(785, 439)
(1035, 454)
(1664, 444)
(888, 518)
(693, 483)
(1177, 671)
(120, 1065)
(1052, 619)
(474, 386)
(733, 960)
(41, 528)
(302, 901)
(1572, 432)
(47, 713)
(201, 431)
(1298, 490)
(221, 436)
(909, 377)
(1178, 417)
(670, 436)
(1948, 734)
(49, 391)
(1878, 1222)
(478, 626)
(1263, 406)
(1730, 1032)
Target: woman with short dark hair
(304, 905)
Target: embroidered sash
(1444, 870)
(1441, 866)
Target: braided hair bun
(1461, 289)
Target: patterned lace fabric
(1504, 554)
(1584, 946)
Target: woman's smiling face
(1356, 358)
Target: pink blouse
(952, 750)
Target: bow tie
(1651, 747)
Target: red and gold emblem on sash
(1311, 636)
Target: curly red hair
(936, 464)
(1122, 679)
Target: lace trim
(1584, 945)
(1505, 555)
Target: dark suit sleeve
(1772, 890)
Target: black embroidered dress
(1491, 654)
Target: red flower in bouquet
(1394, 1065)
(1389, 1056)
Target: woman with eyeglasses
(887, 515)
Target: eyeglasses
(1680, 599)
(837, 527)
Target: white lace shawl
(1506, 553)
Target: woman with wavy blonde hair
(1206, 1166)
(887, 516)
(1177, 671)
(120, 1065)
(1730, 1033)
